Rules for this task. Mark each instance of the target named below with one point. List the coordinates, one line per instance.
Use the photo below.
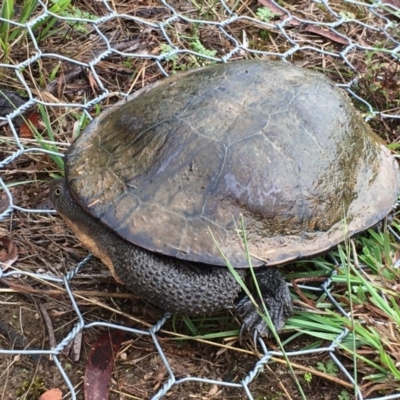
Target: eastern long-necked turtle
(148, 181)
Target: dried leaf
(9, 254)
(52, 394)
(100, 364)
(25, 130)
(213, 390)
(334, 37)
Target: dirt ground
(139, 371)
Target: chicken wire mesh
(155, 36)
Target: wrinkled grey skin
(173, 285)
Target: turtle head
(64, 203)
(91, 232)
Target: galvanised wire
(333, 23)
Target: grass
(44, 144)
(13, 34)
(49, 144)
(258, 302)
(186, 62)
(372, 307)
(367, 292)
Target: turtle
(164, 186)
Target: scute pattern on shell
(277, 144)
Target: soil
(139, 370)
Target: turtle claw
(277, 299)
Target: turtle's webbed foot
(276, 297)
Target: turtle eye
(57, 191)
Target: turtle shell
(277, 148)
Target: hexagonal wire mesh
(326, 33)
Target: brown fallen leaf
(100, 364)
(332, 36)
(9, 254)
(52, 394)
(25, 130)
(213, 390)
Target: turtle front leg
(276, 297)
